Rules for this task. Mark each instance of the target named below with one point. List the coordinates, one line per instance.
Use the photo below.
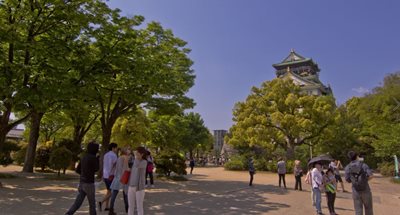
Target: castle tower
(304, 72)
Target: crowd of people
(326, 181)
(127, 172)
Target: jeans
(282, 177)
(317, 194)
(251, 178)
(135, 198)
(330, 199)
(150, 175)
(298, 183)
(312, 197)
(363, 200)
(114, 196)
(84, 190)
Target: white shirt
(110, 159)
(316, 178)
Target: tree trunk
(36, 117)
(3, 136)
(106, 129)
(290, 151)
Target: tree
(379, 116)
(278, 115)
(50, 30)
(165, 131)
(127, 68)
(60, 159)
(195, 134)
(131, 130)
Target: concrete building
(219, 140)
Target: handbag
(125, 177)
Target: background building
(219, 140)
(304, 72)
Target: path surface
(208, 191)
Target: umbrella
(322, 159)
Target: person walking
(317, 184)
(252, 171)
(149, 169)
(191, 165)
(116, 185)
(298, 173)
(281, 171)
(336, 165)
(109, 163)
(137, 182)
(358, 174)
(330, 190)
(308, 180)
(87, 167)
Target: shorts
(107, 182)
(338, 178)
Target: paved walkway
(208, 191)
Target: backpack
(358, 177)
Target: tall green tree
(132, 67)
(379, 116)
(195, 134)
(278, 115)
(37, 36)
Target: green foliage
(261, 164)
(8, 148)
(272, 166)
(278, 115)
(60, 158)
(71, 146)
(42, 157)
(387, 169)
(235, 163)
(19, 156)
(131, 130)
(168, 162)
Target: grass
(62, 177)
(396, 181)
(7, 176)
(173, 178)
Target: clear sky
(235, 42)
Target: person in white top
(317, 183)
(109, 163)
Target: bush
(170, 161)
(19, 156)
(60, 159)
(271, 166)
(5, 155)
(289, 166)
(261, 164)
(42, 157)
(386, 169)
(234, 164)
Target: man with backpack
(358, 174)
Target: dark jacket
(89, 164)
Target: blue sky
(235, 42)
